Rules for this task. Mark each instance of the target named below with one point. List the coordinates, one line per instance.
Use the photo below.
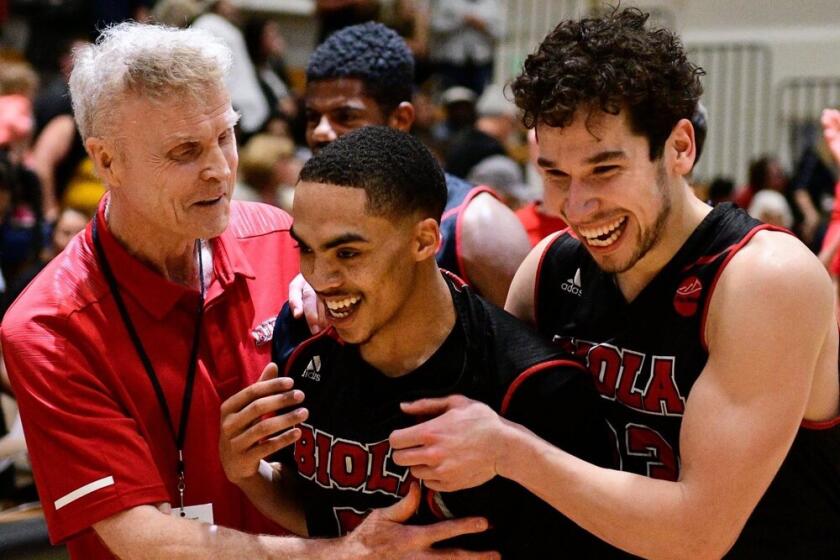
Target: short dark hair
(398, 173)
(374, 54)
(610, 63)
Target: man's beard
(650, 237)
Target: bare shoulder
(771, 284)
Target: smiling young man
(362, 76)
(366, 217)
(724, 417)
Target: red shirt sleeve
(88, 456)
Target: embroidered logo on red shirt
(263, 332)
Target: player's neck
(686, 214)
(173, 258)
(422, 326)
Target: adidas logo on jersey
(313, 369)
(572, 285)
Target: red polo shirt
(538, 225)
(97, 438)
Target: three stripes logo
(572, 285)
(313, 369)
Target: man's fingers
(413, 456)
(296, 296)
(270, 426)
(405, 508)
(432, 407)
(256, 391)
(313, 310)
(234, 423)
(408, 438)
(272, 445)
(430, 534)
(269, 372)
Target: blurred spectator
(463, 41)
(771, 208)
(18, 84)
(813, 187)
(22, 226)
(338, 14)
(220, 18)
(829, 254)
(410, 18)
(505, 177)
(764, 173)
(497, 116)
(464, 144)
(541, 217)
(700, 122)
(268, 171)
(70, 222)
(266, 47)
(721, 190)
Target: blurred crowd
(48, 190)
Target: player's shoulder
(776, 261)
(296, 350)
(254, 219)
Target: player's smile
(339, 308)
(605, 235)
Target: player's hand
(831, 131)
(456, 449)
(303, 301)
(250, 428)
(383, 535)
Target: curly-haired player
(363, 75)
(710, 336)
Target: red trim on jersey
(474, 192)
(459, 282)
(299, 348)
(536, 295)
(733, 250)
(530, 372)
(820, 424)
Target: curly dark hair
(607, 64)
(373, 53)
(398, 173)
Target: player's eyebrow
(342, 239)
(349, 237)
(601, 157)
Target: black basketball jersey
(343, 460)
(645, 357)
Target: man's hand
(250, 430)
(457, 449)
(303, 301)
(382, 535)
(831, 131)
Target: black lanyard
(180, 436)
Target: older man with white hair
(122, 350)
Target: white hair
(152, 61)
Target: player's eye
(346, 253)
(303, 248)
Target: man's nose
(324, 131)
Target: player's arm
(740, 419)
(520, 298)
(251, 430)
(143, 532)
(493, 245)
(52, 146)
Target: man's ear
(402, 118)
(105, 159)
(680, 148)
(427, 239)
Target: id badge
(202, 513)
